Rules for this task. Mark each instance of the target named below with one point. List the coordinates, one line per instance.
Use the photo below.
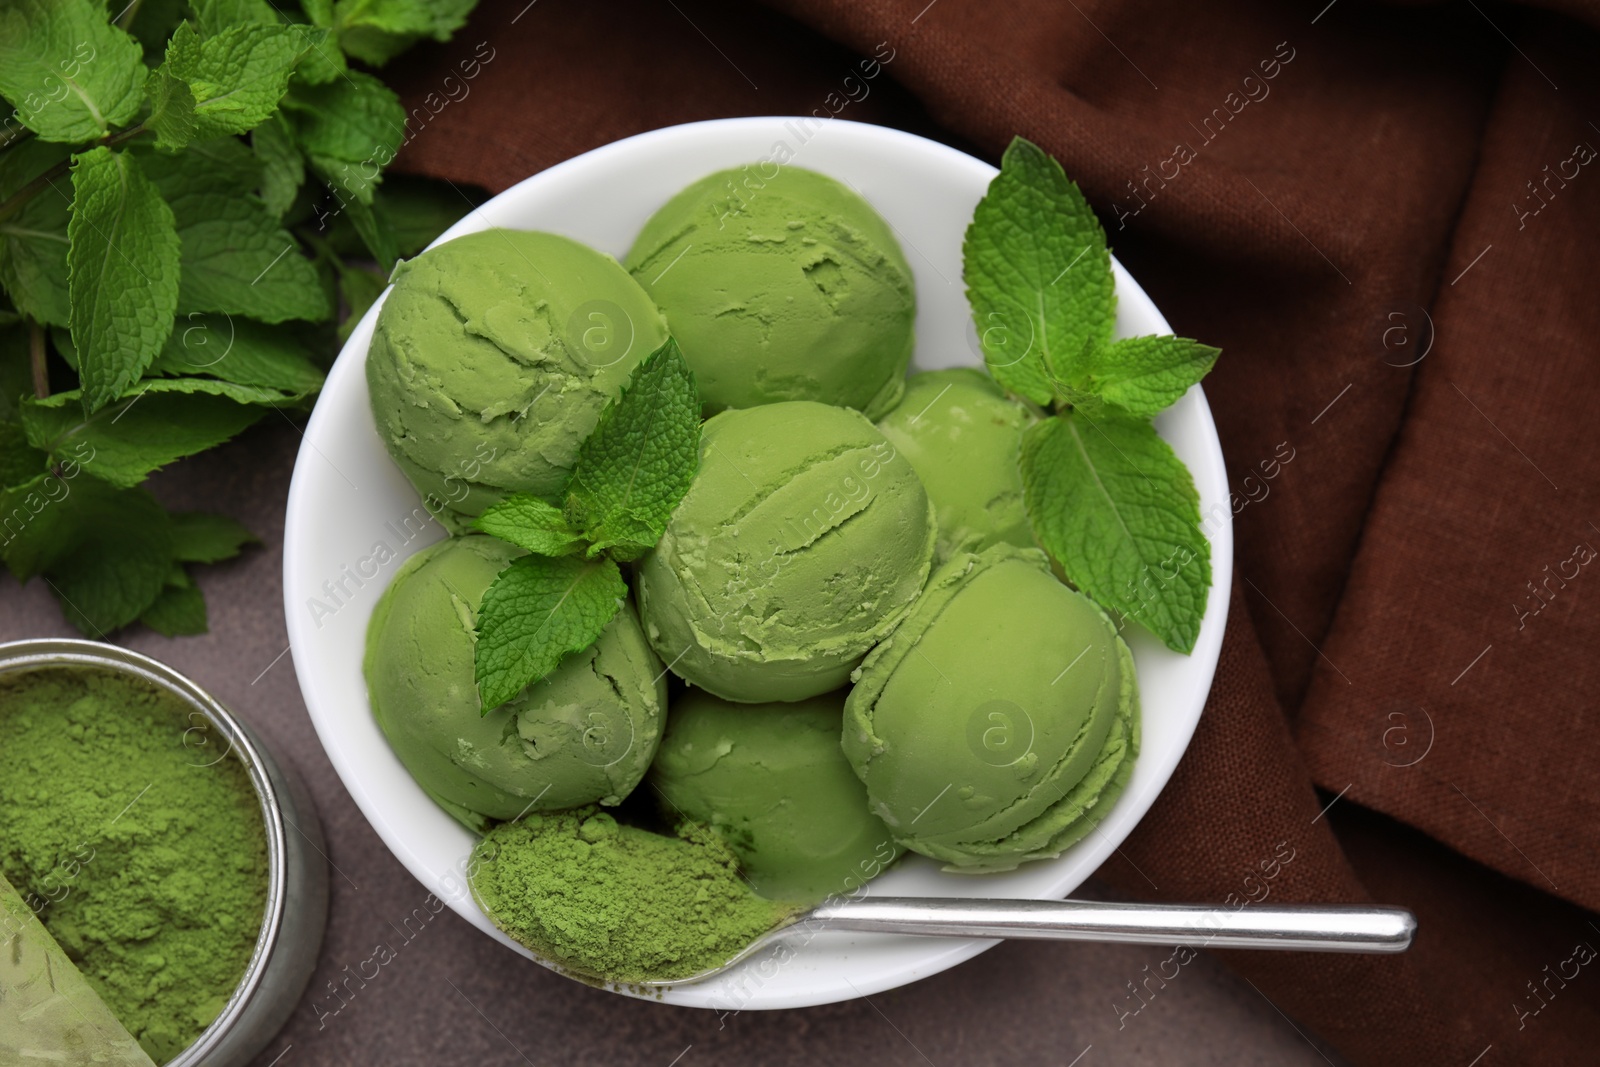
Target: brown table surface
(453, 996)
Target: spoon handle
(1301, 927)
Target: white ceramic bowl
(353, 518)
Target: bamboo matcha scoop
(48, 1012)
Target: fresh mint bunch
(184, 205)
(631, 473)
(1105, 495)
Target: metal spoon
(1294, 927)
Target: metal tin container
(297, 867)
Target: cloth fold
(1385, 217)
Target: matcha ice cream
(771, 781)
(802, 541)
(585, 733)
(1001, 720)
(493, 357)
(782, 288)
(616, 903)
(963, 436)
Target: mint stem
(36, 357)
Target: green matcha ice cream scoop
(802, 541)
(492, 359)
(1001, 720)
(585, 733)
(783, 288)
(771, 781)
(964, 437)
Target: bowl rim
(757, 131)
(19, 657)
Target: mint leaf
(237, 258)
(118, 564)
(283, 170)
(320, 12)
(524, 520)
(417, 209)
(220, 165)
(238, 392)
(1146, 375)
(375, 31)
(536, 611)
(633, 469)
(164, 420)
(19, 461)
(179, 611)
(122, 272)
(106, 552)
(71, 75)
(33, 524)
(321, 62)
(1111, 502)
(236, 76)
(216, 16)
(349, 128)
(205, 537)
(171, 115)
(238, 350)
(371, 222)
(33, 241)
(1038, 273)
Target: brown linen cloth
(1387, 218)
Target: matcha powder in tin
(616, 902)
(137, 839)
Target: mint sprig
(631, 473)
(164, 282)
(1105, 495)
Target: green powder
(142, 850)
(616, 902)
